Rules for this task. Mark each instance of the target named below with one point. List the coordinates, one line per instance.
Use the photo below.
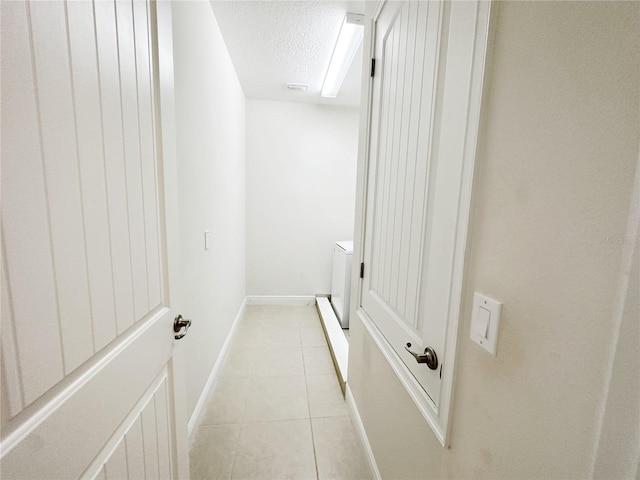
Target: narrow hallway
(277, 410)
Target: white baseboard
(198, 411)
(281, 300)
(362, 434)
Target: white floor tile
(277, 398)
(272, 361)
(237, 363)
(312, 337)
(252, 313)
(317, 361)
(325, 396)
(264, 333)
(301, 315)
(227, 405)
(309, 318)
(262, 361)
(213, 452)
(338, 453)
(275, 450)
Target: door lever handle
(178, 324)
(429, 356)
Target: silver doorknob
(178, 324)
(429, 356)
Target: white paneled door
(425, 98)
(91, 385)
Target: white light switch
(485, 321)
(482, 325)
(207, 239)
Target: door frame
(166, 148)
(437, 418)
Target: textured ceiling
(273, 43)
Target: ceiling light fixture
(349, 39)
(297, 87)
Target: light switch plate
(485, 319)
(207, 239)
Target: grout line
(313, 444)
(235, 451)
(262, 422)
(306, 384)
(313, 439)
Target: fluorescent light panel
(349, 39)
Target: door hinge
(362, 270)
(373, 67)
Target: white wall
(552, 195)
(301, 177)
(210, 117)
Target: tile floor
(277, 410)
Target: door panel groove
(395, 157)
(386, 178)
(401, 176)
(80, 173)
(12, 371)
(135, 450)
(86, 88)
(165, 458)
(108, 327)
(408, 172)
(55, 288)
(381, 144)
(150, 439)
(114, 150)
(123, 48)
(141, 152)
(410, 295)
(140, 146)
